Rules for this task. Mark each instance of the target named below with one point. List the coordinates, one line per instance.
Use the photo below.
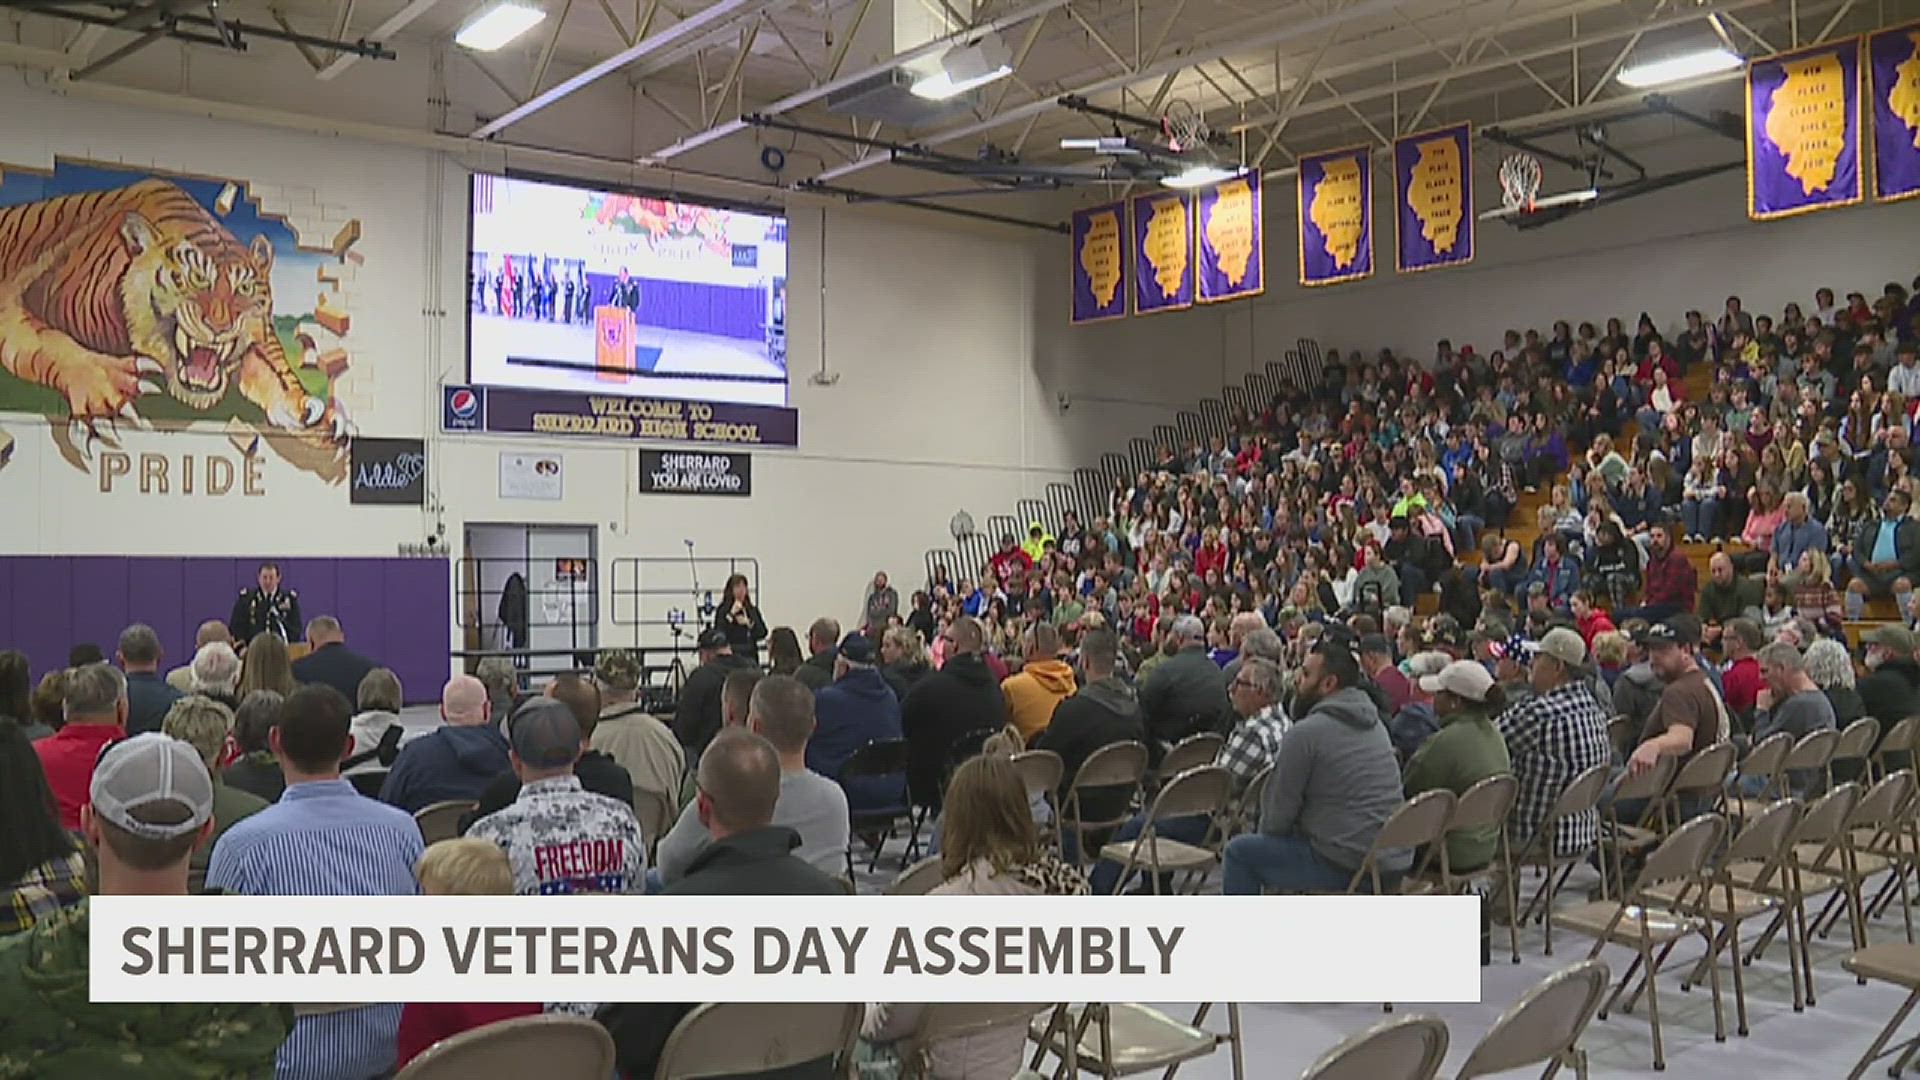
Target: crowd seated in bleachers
(1377, 592)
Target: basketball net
(1520, 176)
(1183, 126)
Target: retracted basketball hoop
(1183, 126)
(1520, 178)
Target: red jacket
(1210, 557)
(1596, 622)
(1741, 683)
(1670, 580)
(67, 757)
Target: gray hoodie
(1336, 782)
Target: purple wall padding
(735, 311)
(397, 611)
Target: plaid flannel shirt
(1253, 745)
(43, 890)
(1553, 738)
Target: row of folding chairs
(1542, 1028)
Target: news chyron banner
(1893, 61)
(503, 410)
(1433, 199)
(1162, 225)
(1336, 216)
(1101, 252)
(311, 950)
(1803, 131)
(1230, 240)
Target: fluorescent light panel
(498, 25)
(1200, 176)
(940, 85)
(1677, 68)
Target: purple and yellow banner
(1336, 216)
(1433, 199)
(1232, 242)
(1100, 263)
(1893, 64)
(1803, 130)
(1162, 251)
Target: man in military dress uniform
(266, 609)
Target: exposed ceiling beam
(823, 90)
(689, 32)
(393, 24)
(1231, 39)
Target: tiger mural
(109, 296)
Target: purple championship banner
(615, 416)
(1336, 216)
(1803, 131)
(1231, 240)
(1893, 62)
(1162, 251)
(1100, 257)
(1433, 199)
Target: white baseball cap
(1469, 679)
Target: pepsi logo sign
(462, 408)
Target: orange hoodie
(1032, 694)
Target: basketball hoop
(1520, 176)
(1183, 125)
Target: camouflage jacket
(49, 1031)
(562, 838)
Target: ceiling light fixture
(500, 24)
(1200, 176)
(1676, 68)
(1114, 145)
(964, 67)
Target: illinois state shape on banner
(1232, 240)
(1803, 130)
(1100, 263)
(1433, 198)
(1336, 216)
(1162, 251)
(1893, 62)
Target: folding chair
(734, 1039)
(1246, 809)
(879, 759)
(1852, 748)
(1896, 747)
(441, 820)
(1410, 1048)
(1419, 825)
(1640, 920)
(1879, 813)
(1124, 1038)
(1631, 838)
(1898, 963)
(551, 1046)
(954, 1020)
(1486, 805)
(1620, 729)
(1582, 796)
(918, 879)
(1761, 850)
(1705, 776)
(1545, 1025)
(1818, 828)
(1204, 790)
(1811, 756)
(1116, 767)
(1191, 752)
(1764, 762)
(1041, 770)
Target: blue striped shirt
(323, 838)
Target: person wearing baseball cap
(560, 837)
(150, 800)
(1467, 749)
(857, 708)
(1892, 684)
(1690, 715)
(642, 745)
(1553, 737)
(700, 712)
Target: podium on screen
(613, 339)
